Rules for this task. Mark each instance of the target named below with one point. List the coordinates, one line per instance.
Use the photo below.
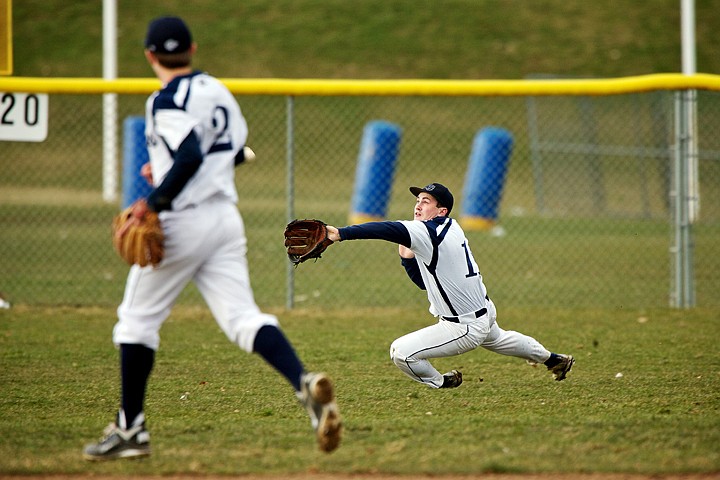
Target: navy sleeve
(394, 232)
(187, 161)
(413, 271)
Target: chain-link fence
(583, 214)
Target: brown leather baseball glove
(306, 239)
(138, 240)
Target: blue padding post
(375, 171)
(485, 177)
(135, 155)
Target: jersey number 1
(471, 272)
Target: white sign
(23, 117)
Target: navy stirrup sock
(271, 344)
(136, 363)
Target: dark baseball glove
(306, 239)
(138, 241)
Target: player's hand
(405, 252)
(333, 233)
(249, 154)
(139, 210)
(146, 173)
(245, 155)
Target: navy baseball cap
(168, 35)
(437, 190)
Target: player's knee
(397, 355)
(243, 330)
(134, 334)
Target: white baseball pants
(444, 339)
(206, 245)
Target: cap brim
(416, 190)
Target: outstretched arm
(390, 231)
(394, 232)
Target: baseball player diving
(437, 257)
(195, 134)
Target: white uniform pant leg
(206, 244)
(224, 282)
(511, 343)
(151, 292)
(444, 339)
(149, 296)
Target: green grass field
(642, 398)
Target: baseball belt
(478, 314)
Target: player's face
(426, 207)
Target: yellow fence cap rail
(325, 87)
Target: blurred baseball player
(195, 136)
(437, 257)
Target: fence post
(682, 292)
(290, 206)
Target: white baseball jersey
(182, 106)
(451, 276)
(449, 272)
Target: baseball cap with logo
(168, 35)
(437, 190)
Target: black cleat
(119, 443)
(563, 367)
(452, 379)
(318, 397)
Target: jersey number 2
(220, 123)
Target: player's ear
(151, 58)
